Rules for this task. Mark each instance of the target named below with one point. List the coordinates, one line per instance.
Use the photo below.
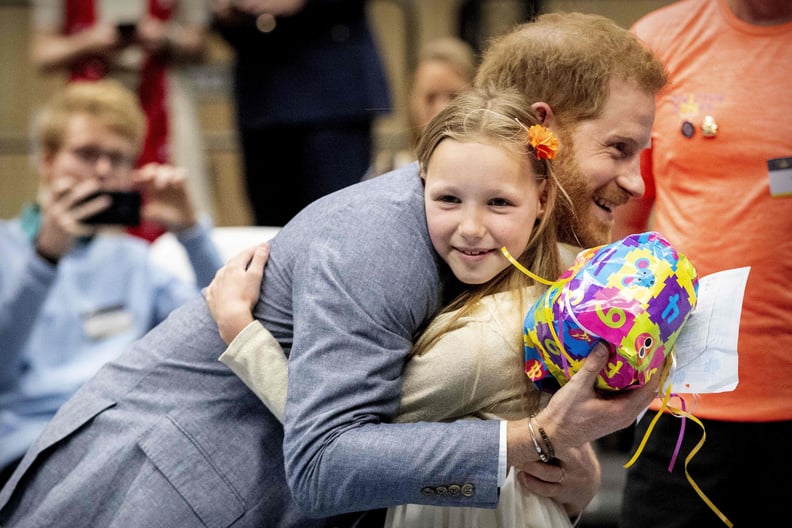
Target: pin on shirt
(709, 128)
(688, 129)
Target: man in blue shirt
(73, 293)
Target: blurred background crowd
(402, 31)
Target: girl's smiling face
(479, 197)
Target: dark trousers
(743, 468)
(288, 167)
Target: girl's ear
(540, 211)
(544, 113)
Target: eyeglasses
(91, 154)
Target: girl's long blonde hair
(500, 117)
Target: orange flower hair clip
(542, 140)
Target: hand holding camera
(167, 200)
(65, 207)
(166, 196)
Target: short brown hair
(567, 60)
(107, 100)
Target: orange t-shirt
(712, 194)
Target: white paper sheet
(706, 349)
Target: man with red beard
(169, 436)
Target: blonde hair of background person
(115, 107)
(469, 361)
(446, 67)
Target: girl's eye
(499, 202)
(448, 199)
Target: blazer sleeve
(353, 330)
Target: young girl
(488, 184)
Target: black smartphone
(124, 209)
(127, 31)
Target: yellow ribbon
(525, 270)
(679, 412)
(663, 406)
(548, 305)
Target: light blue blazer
(167, 436)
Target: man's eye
(622, 148)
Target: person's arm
(25, 282)
(359, 296)
(224, 10)
(253, 354)
(234, 291)
(51, 50)
(62, 207)
(22, 295)
(434, 388)
(168, 202)
(184, 42)
(258, 360)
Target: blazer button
(441, 490)
(468, 490)
(454, 490)
(427, 491)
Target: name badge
(106, 322)
(780, 177)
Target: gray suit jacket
(167, 436)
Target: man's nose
(630, 178)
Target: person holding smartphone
(147, 45)
(74, 291)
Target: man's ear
(544, 113)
